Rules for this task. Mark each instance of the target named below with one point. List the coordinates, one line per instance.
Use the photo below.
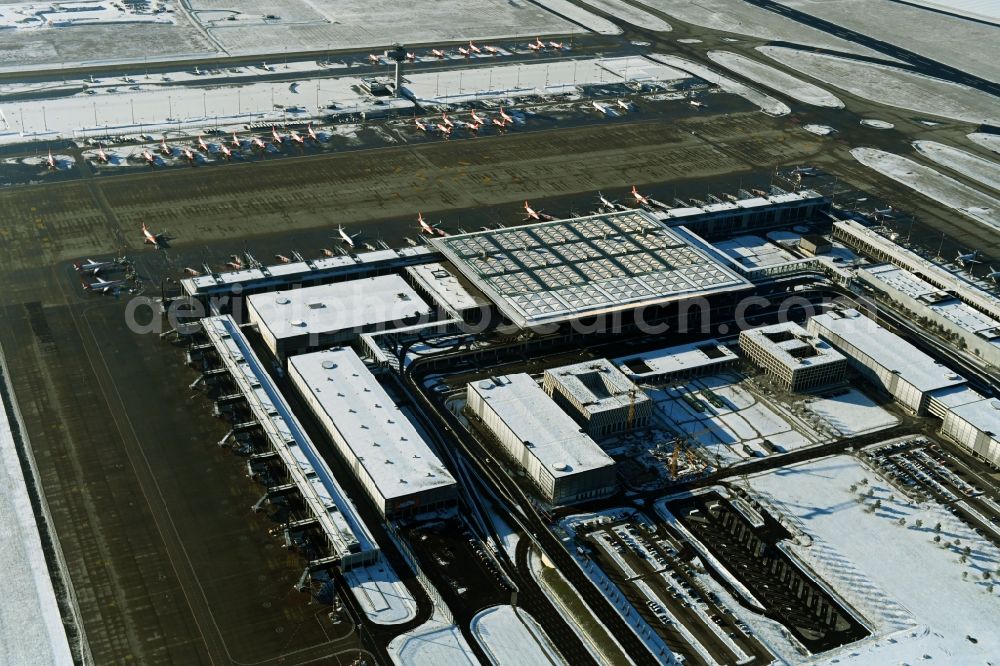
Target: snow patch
(766, 103)
(891, 85)
(971, 166)
(776, 79)
(511, 637)
(947, 191)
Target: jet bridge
(350, 542)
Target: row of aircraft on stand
(474, 50)
(228, 149)
(446, 125)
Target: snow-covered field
(202, 28)
(31, 628)
(893, 86)
(742, 18)
(967, 164)
(983, 10)
(775, 79)
(734, 429)
(953, 41)
(932, 184)
(928, 601)
(988, 141)
(591, 21)
(511, 637)
(631, 14)
(304, 25)
(850, 414)
(765, 102)
(542, 78)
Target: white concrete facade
(799, 360)
(565, 464)
(976, 426)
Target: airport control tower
(398, 54)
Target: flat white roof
(597, 384)
(793, 346)
(555, 439)
(983, 415)
(382, 439)
(340, 306)
(887, 349)
(675, 359)
(445, 287)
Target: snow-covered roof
(887, 349)
(596, 384)
(339, 306)
(792, 346)
(940, 302)
(983, 415)
(551, 436)
(445, 287)
(681, 358)
(383, 440)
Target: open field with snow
(631, 14)
(720, 415)
(932, 184)
(348, 24)
(775, 79)
(892, 86)
(576, 13)
(927, 601)
(31, 627)
(967, 164)
(850, 414)
(765, 102)
(222, 27)
(511, 637)
(988, 141)
(743, 18)
(953, 41)
(983, 10)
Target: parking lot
(651, 566)
(926, 471)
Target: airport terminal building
(565, 464)
(389, 457)
(300, 320)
